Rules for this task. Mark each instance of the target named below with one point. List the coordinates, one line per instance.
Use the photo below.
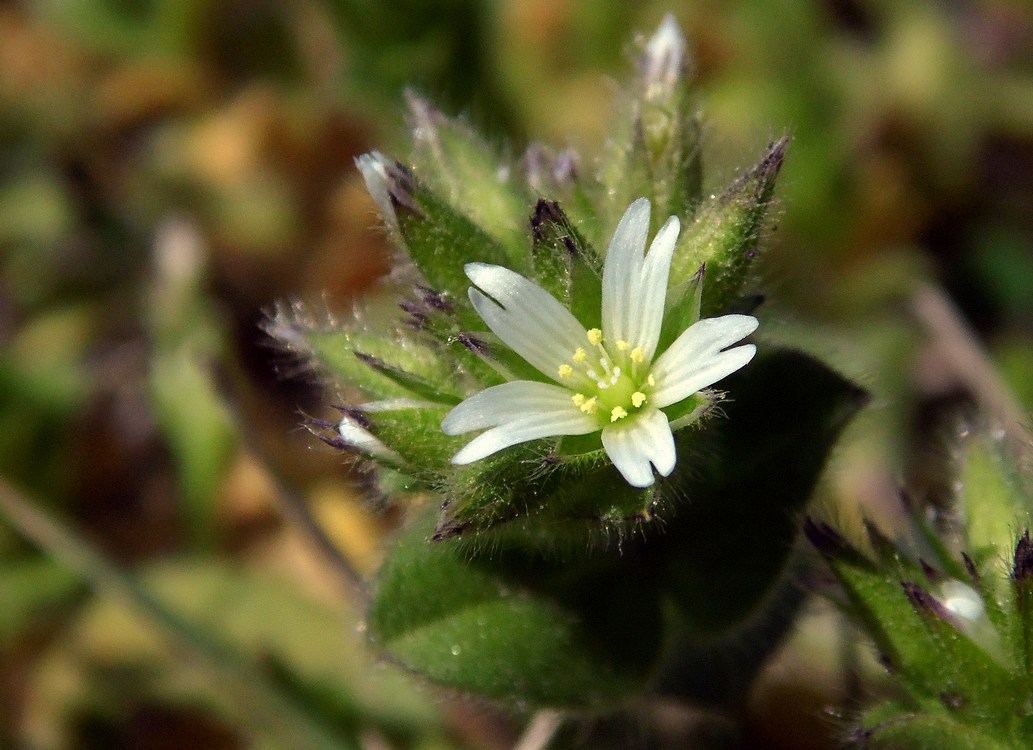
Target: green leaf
(382, 366)
(515, 629)
(745, 478)
(724, 233)
(418, 386)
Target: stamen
(566, 371)
(589, 406)
(579, 355)
(578, 399)
(622, 345)
(651, 380)
(617, 413)
(637, 399)
(595, 336)
(637, 355)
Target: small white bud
(663, 60)
(359, 438)
(373, 167)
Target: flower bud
(664, 61)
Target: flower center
(613, 382)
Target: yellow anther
(617, 413)
(566, 371)
(637, 399)
(622, 345)
(579, 354)
(578, 399)
(637, 355)
(651, 380)
(595, 336)
(589, 406)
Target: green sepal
(724, 233)
(556, 248)
(458, 165)
(441, 240)
(1022, 596)
(503, 361)
(878, 601)
(514, 629)
(556, 176)
(433, 317)
(691, 412)
(531, 497)
(683, 305)
(625, 173)
(727, 543)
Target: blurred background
(170, 170)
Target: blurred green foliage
(169, 170)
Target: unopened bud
(356, 437)
(664, 59)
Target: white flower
(608, 380)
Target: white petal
(506, 403)
(695, 360)
(652, 291)
(634, 446)
(528, 319)
(527, 427)
(705, 373)
(634, 283)
(622, 269)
